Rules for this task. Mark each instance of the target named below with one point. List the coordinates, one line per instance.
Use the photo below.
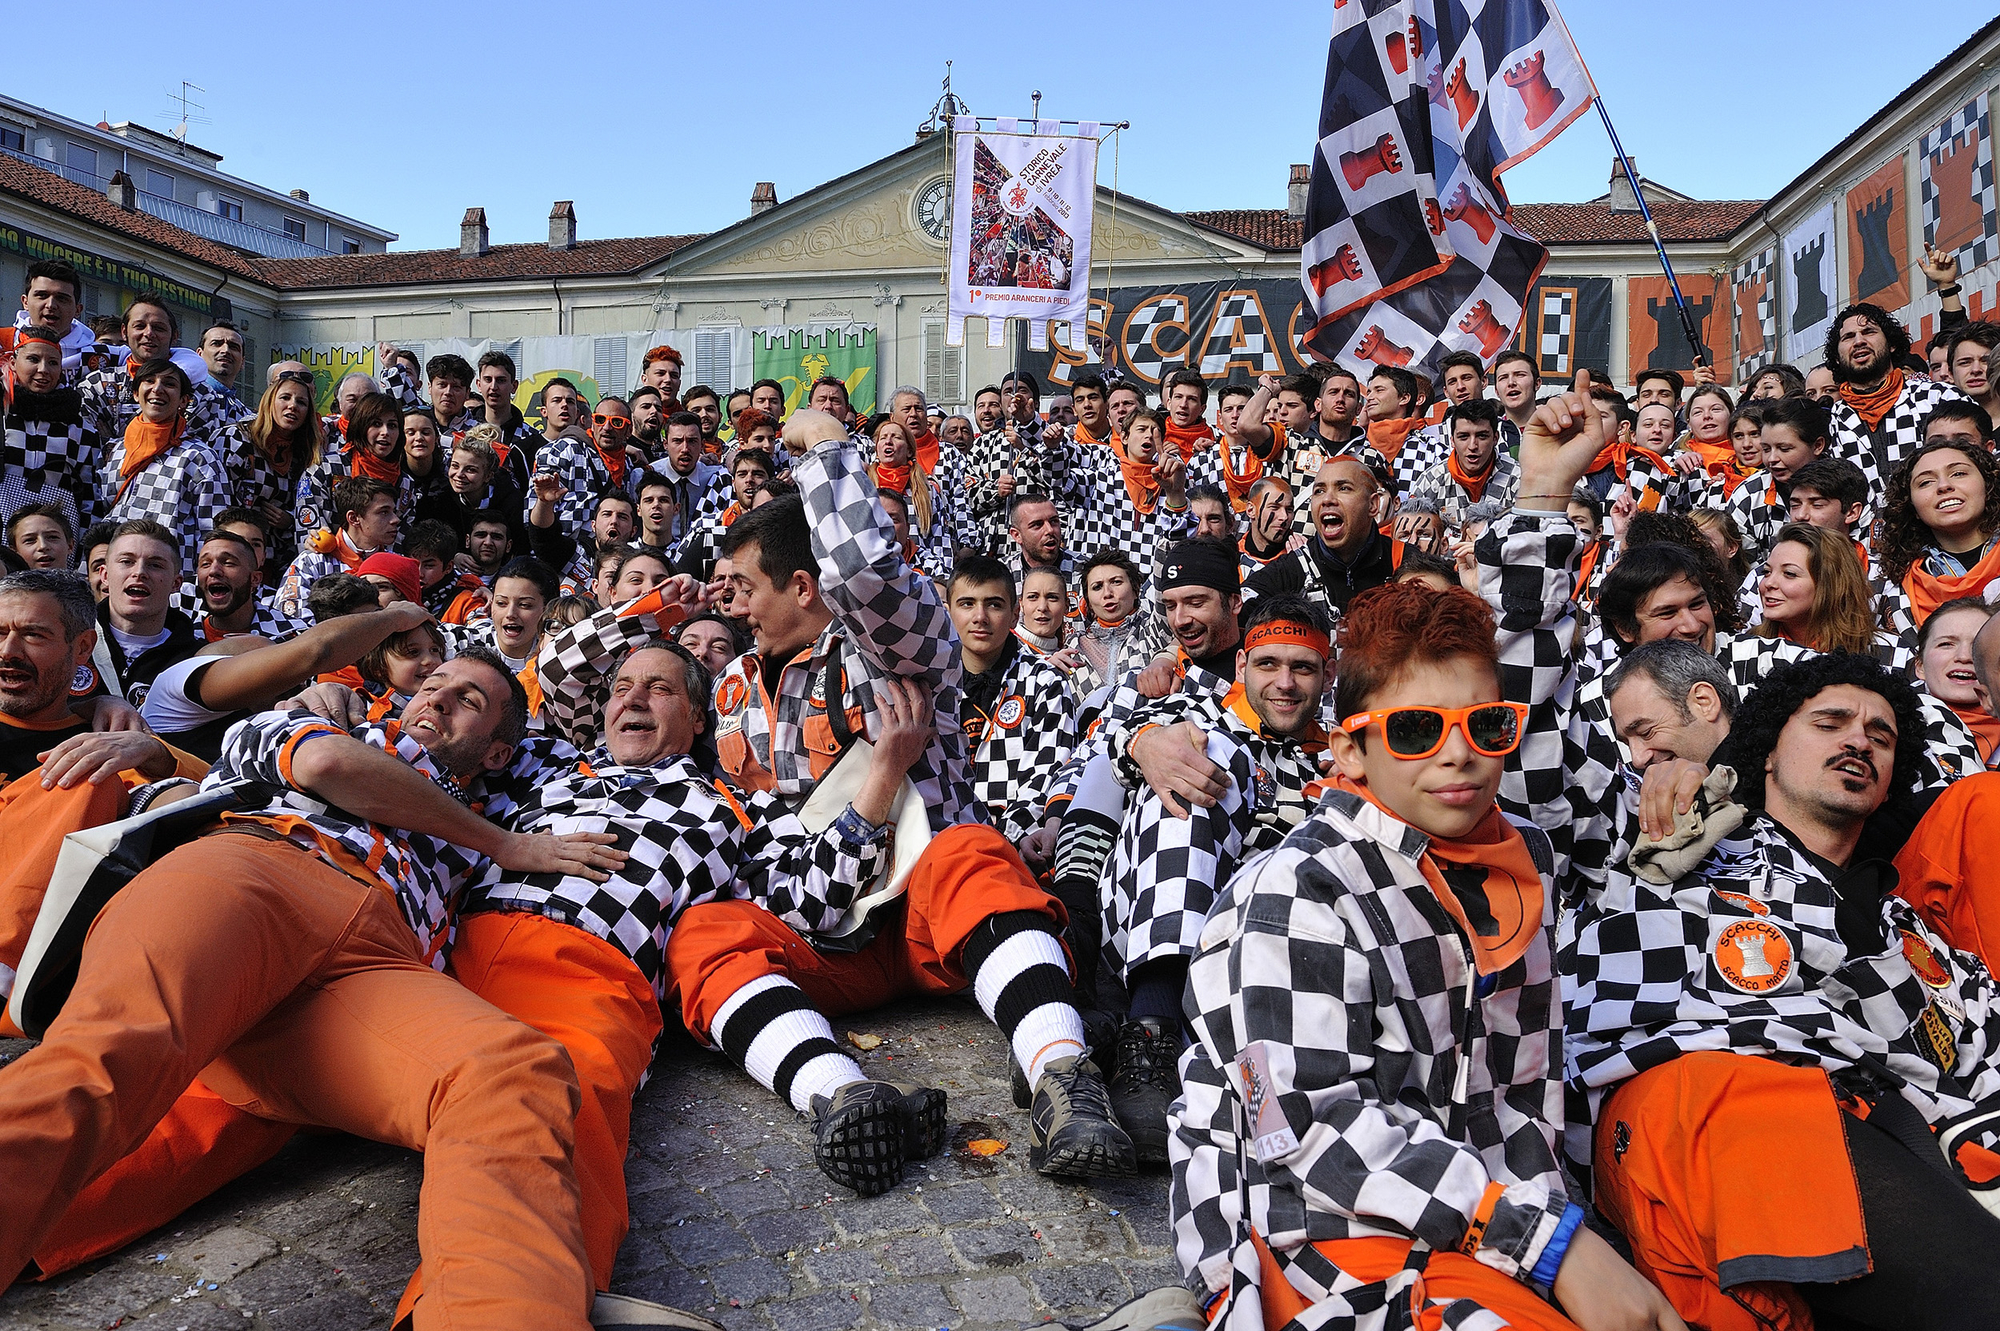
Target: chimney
(122, 192)
(1296, 191)
(562, 225)
(764, 198)
(472, 232)
(1622, 199)
(302, 196)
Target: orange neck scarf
(730, 514)
(1927, 591)
(146, 442)
(1188, 437)
(889, 477)
(1985, 728)
(1618, 455)
(1240, 483)
(1872, 407)
(1139, 482)
(1585, 566)
(366, 463)
(1719, 460)
(927, 451)
(1510, 890)
(1388, 437)
(615, 463)
(1474, 486)
(1084, 435)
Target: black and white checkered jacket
(49, 456)
(582, 470)
(1880, 451)
(312, 502)
(109, 404)
(182, 489)
(1353, 1075)
(1743, 955)
(1165, 869)
(1423, 453)
(1112, 520)
(1046, 459)
(683, 833)
(1438, 486)
(1112, 715)
(1020, 745)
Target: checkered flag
(1409, 254)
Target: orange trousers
(1731, 1177)
(1938, 872)
(33, 823)
(966, 875)
(297, 993)
(567, 984)
(1447, 1277)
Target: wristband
(1481, 1217)
(1557, 1248)
(1951, 290)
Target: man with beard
(1264, 738)
(1035, 537)
(1878, 413)
(595, 465)
(649, 423)
(230, 583)
(1346, 554)
(707, 408)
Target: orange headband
(30, 341)
(1288, 633)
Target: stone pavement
(730, 1217)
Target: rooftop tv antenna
(190, 110)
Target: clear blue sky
(667, 114)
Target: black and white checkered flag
(1408, 253)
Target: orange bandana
(889, 477)
(615, 464)
(1287, 633)
(1872, 407)
(365, 463)
(1388, 437)
(927, 451)
(1188, 437)
(1084, 435)
(1496, 874)
(1241, 483)
(1618, 455)
(1139, 482)
(1474, 486)
(146, 442)
(1927, 591)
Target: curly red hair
(1390, 628)
(750, 419)
(661, 353)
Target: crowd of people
(1508, 850)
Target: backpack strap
(833, 687)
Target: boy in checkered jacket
(1369, 1123)
(1786, 1068)
(49, 454)
(854, 643)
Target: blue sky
(661, 117)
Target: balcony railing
(223, 230)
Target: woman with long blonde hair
(1815, 593)
(274, 449)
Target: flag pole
(1653, 230)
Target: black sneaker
(1145, 1085)
(1070, 1129)
(1170, 1309)
(1100, 1033)
(867, 1131)
(612, 1311)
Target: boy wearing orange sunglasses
(1371, 1109)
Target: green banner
(116, 272)
(795, 358)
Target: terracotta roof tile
(589, 258)
(1552, 223)
(53, 191)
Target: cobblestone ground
(729, 1217)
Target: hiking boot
(1100, 1032)
(1170, 1309)
(867, 1131)
(1070, 1129)
(1145, 1086)
(613, 1311)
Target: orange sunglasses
(1491, 728)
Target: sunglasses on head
(294, 377)
(1491, 728)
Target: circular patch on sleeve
(1010, 713)
(733, 695)
(1923, 961)
(84, 681)
(1754, 956)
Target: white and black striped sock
(773, 1031)
(1021, 979)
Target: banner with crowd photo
(1956, 176)
(1655, 339)
(1567, 326)
(1753, 288)
(1878, 238)
(1810, 283)
(1229, 331)
(1020, 226)
(797, 356)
